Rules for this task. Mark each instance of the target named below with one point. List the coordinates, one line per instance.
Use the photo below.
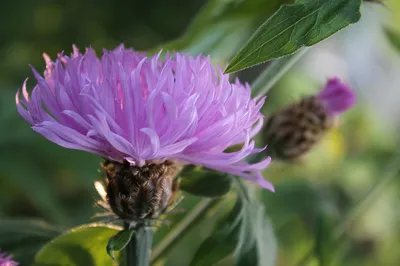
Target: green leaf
(304, 23)
(223, 240)
(324, 239)
(244, 233)
(293, 197)
(329, 249)
(119, 241)
(205, 183)
(257, 243)
(30, 180)
(84, 245)
(23, 238)
(263, 251)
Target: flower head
(128, 107)
(6, 260)
(295, 129)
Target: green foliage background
(41, 180)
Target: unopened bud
(295, 129)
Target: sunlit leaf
(304, 23)
(84, 245)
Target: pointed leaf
(84, 245)
(304, 23)
(119, 242)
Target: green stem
(139, 248)
(273, 73)
(182, 227)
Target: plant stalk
(138, 250)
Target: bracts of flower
(295, 129)
(7, 260)
(147, 116)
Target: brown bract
(137, 194)
(292, 131)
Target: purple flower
(337, 97)
(125, 106)
(6, 260)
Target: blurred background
(40, 180)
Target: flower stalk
(138, 250)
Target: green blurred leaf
(23, 238)
(119, 241)
(244, 233)
(292, 197)
(223, 240)
(209, 184)
(324, 238)
(304, 23)
(30, 179)
(84, 245)
(328, 248)
(263, 250)
(221, 27)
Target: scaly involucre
(126, 106)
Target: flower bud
(295, 129)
